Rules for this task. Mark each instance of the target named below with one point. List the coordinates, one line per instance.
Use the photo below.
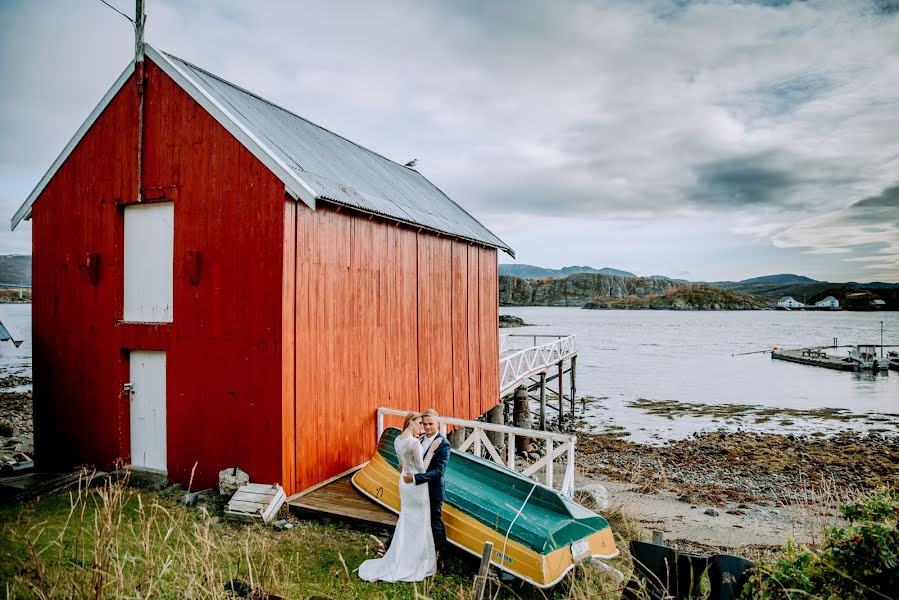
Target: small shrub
(859, 560)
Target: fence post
(549, 463)
(543, 401)
(569, 470)
(480, 580)
(477, 442)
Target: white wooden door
(148, 434)
(149, 253)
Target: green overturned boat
(537, 533)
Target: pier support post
(457, 436)
(522, 418)
(573, 385)
(543, 401)
(495, 416)
(561, 394)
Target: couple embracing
(419, 538)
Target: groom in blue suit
(434, 478)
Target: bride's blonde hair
(409, 418)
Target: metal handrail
(518, 366)
(479, 443)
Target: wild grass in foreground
(108, 540)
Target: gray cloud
(741, 182)
(759, 114)
(865, 232)
(879, 210)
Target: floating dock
(815, 357)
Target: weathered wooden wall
(79, 410)
(300, 324)
(223, 347)
(385, 316)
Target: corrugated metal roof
(336, 169)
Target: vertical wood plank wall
(79, 409)
(224, 379)
(385, 316)
(300, 324)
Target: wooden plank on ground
(340, 499)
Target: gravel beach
(748, 492)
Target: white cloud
(595, 111)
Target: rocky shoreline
(743, 467)
(16, 428)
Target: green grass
(113, 541)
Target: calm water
(683, 356)
(16, 361)
(689, 357)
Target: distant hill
(15, 270)
(809, 293)
(666, 278)
(575, 290)
(683, 297)
(534, 272)
(782, 279)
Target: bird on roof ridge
(411, 164)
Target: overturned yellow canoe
(538, 534)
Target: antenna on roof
(140, 19)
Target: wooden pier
(814, 357)
(338, 498)
(537, 364)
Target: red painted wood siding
(300, 325)
(224, 366)
(224, 374)
(385, 316)
(79, 411)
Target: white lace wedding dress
(411, 556)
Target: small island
(683, 297)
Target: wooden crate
(256, 502)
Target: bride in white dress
(411, 556)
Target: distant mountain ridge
(782, 279)
(15, 270)
(550, 287)
(535, 272)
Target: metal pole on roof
(140, 19)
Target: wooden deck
(815, 358)
(339, 498)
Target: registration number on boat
(580, 550)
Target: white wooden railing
(558, 446)
(536, 358)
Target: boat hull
(379, 480)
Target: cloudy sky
(704, 140)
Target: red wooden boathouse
(219, 282)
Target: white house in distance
(829, 302)
(789, 302)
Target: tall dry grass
(104, 539)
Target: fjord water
(684, 356)
(689, 356)
(16, 361)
